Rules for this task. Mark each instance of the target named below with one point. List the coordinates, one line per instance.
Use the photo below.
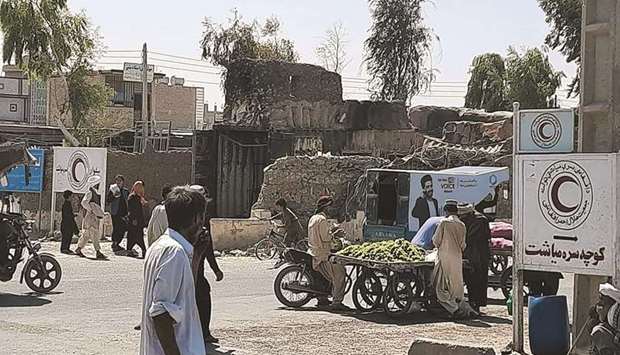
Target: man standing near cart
(449, 239)
(320, 242)
(478, 252)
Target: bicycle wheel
(266, 249)
(302, 245)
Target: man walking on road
(478, 252)
(170, 319)
(203, 249)
(449, 239)
(320, 242)
(117, 198)
(90, 224)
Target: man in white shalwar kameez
(92, 220)
(449, 239)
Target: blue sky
(465, 28)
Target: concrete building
(22, 101)
(169, 100)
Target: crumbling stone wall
(477, 133)
(301, 180)
(432, 119)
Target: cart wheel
(498, 264)
(398, 296)
(266, 249)
(367, 291)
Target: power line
(188, 70)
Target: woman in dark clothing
(68, 227)
(136, 220)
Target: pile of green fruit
(398, 250)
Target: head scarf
(324, 201)
(465, 208)
(138, 190)
(613, 316)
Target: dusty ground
(97, 305)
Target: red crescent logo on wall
(565, 195)
(546, 131)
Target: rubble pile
(476, 133)
(301, 180)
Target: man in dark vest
(117, 198)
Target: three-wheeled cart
(397, 287)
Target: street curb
(423, 346)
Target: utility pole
(599, 118)
(145, 98)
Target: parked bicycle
(273, 244)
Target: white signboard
(545, 131)
(133, 72)
(566, 220)
(73, 166)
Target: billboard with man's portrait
(430, 190)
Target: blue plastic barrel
(548, 325)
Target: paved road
(98, 303)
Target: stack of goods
(386, 251)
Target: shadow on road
(379, 317)
(25, 300)
(213, 349)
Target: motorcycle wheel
(266, 249)
(498, 264)
(293, 273)
(42, 277)
(367, 292)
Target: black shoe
(101, 256)
(78, 252)
(116, 248)
(210, 339)
(68, 252)
(137, 327)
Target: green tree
(223, 44)
(530, 78)
(564, 17)
(45, 39)
(398, 44)
(486, 87)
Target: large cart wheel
(266, 249)
(398, 296)
(44, 276)
(293, 274)
(367, 291)
(498, 264)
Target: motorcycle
(298, 283)
(41, 272)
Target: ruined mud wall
(302, 180)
